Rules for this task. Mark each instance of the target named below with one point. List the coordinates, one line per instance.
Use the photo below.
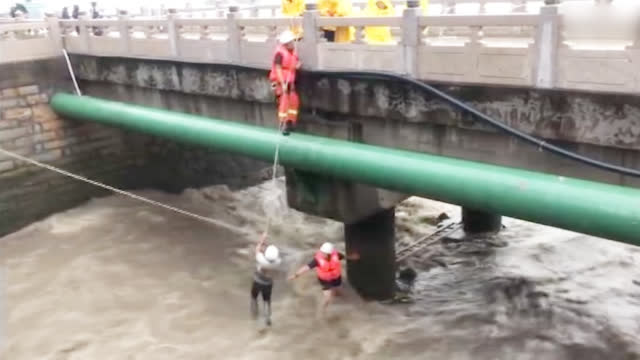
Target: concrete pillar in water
(373, 275)
(480, 222)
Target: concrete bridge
(534, 71)
(554, 48)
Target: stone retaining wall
(29, 127)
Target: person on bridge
(337, 8)
(293, 8)
(327, 262)
(283, 78)
(379, 34)
(267, 263)
(424, 5)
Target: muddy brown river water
(118, 279)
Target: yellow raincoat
(424, 5)
(338, 8)
(379, 34)
(293, 8)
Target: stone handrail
(27, 40)
(255, 8)
(271, 22)
(527, 50)
(393, 21)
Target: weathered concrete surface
(604, 127)
(477, 222)
(373, 239)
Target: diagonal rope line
(209, 220)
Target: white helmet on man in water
(272, 253)
(327, 248)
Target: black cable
(541, 144)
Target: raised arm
(261, 243)
(300, 271)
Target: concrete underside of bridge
(602, 126)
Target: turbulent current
(119, 279)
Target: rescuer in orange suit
(283, 77)
(327, 262)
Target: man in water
(268, 262)
(328, 269)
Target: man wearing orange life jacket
(327, 262)
(283, 78)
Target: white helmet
(327, 248)
(286, 37)
(271, 253)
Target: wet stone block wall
(30, 128)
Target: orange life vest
(328, 270)
(289, 63)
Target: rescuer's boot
(288, 128)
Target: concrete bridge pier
(476, 222)
(368, 215)
(373, 238)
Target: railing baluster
(235, 35)
(519, 6)
(449, 7)
(204, 32)
(173, 33)
(483, 6)
(547, 41)
(272, 34)
(360, 35)
(124, 31)
(476, 35)
(54, 33)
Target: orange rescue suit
(328, 270)
(288, 100)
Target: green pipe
(593, 208)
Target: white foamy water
(116, 279)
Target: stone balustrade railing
(543, 50)
(258, 8)
(29, 40)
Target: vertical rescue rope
(73, 76)
(281, 128)
(274, 177)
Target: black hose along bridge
(484, 191)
